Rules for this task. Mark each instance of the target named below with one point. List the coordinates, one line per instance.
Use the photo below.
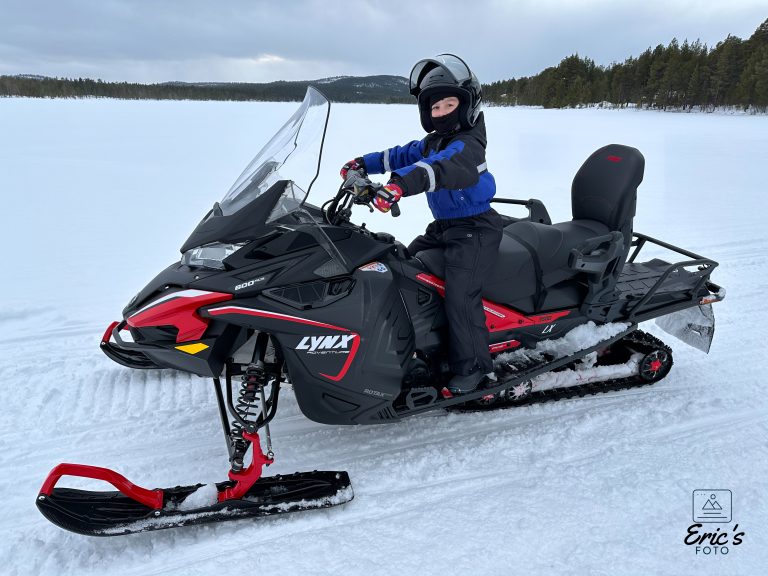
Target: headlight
(210, 255)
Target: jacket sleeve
(455, 168)
(394, 158)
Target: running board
(503, 384)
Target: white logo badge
(374, 267)
(250, 283)
(318, 344)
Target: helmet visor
(454, 65)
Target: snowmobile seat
(532, 256)
(605, 188)
(534, 271)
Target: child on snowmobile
(449, 165)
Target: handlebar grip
(395, 210)
(353, 176)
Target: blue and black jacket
(451, 169)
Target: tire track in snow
(711, 424)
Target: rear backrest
(605, 188)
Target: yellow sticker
(192, 348)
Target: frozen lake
(99, 195)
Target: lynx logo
(250, 283)
(315, 344)
(549, 329)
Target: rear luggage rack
(658, 284)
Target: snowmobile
(272, 290)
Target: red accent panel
(433, 281)
(108, 333)
(615, 158)
(498, 318)
(245, 479)
(151, 498)
(347, 364)
(297, 320)
(493, 348)
(180, 312)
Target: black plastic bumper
(125, 353)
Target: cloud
(260, 40)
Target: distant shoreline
(719, 111)
(679, 77)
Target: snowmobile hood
(274, 184)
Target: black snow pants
(470, 247)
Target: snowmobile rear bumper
(125, 353)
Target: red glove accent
(356, 164)
(387, 196)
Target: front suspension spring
(248, 407)
(253, 409)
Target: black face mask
(448, 123)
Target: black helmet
(446, 74)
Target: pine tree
(727, 58)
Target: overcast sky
(259, 41)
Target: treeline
(373, 89)
(734, 73)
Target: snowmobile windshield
(292, 154)
(273, 185)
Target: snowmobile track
(638, 339)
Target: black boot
(465, 384)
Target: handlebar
(361, 189)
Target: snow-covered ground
(98, 196)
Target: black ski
(115, 514)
